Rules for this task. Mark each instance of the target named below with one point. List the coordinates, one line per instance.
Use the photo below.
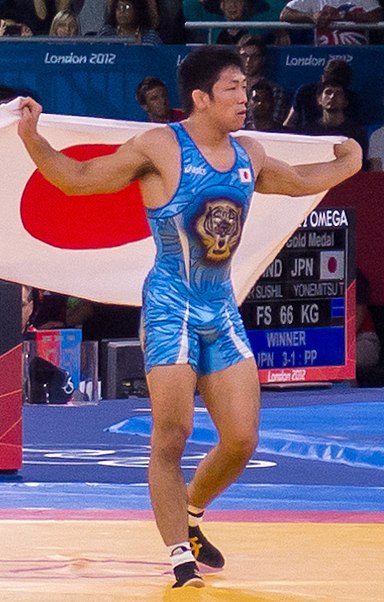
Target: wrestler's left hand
(30, 111)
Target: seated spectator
(376, 150)
(153, 12)
(324, 12)
(251, 10)
(90, 14)
(130, 19)
(24, 11)
(305, 108)
(254, 52)
(261, 108)
(48, 310)
(35, 14)
(102, 320)
(233, 10)
(9, 27)
(171, 22)
(332, 99)
(46, 10)
(64, 25)
(152, 95)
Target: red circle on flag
(332, 265)
(83, 222)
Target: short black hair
(334, 83)
(201, 69)
(338, 70)
(148, 83)
(255, 41)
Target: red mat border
(258, 516)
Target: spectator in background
(153, 12)
(64, 25)
(322, 13)
(9, 28)
(261, 109)
(152, 95)
(46, 10)
(253, 11)
(91, 15)
(233, 10)
(130, 19)
(48, 310)
(376, 150)
(102, 320)
(171, 21)
(253, 52)
(332, 99)
(305, 108)
(35, 14)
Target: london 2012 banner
(100, 247)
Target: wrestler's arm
(277, 177)
(99, 175)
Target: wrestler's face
(229, 99)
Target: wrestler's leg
(171, 391)
(232, 398)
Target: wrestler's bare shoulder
(254, 149)
(155, 146)
(251, 145)
(155, 138)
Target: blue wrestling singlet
(189, 311)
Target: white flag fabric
(99, 247)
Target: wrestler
(197, 182)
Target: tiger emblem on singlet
(219, 228)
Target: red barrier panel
(10, 410)
(365, 193)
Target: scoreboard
(300, 314)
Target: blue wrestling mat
(352, 434)
(319, 450)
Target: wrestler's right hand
(30, 111)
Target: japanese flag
(100, 247)
(332, 265)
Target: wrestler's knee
(168, 440)
(240, 444)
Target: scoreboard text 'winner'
(300, 315)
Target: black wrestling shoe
(187, 575)
(204, 551)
